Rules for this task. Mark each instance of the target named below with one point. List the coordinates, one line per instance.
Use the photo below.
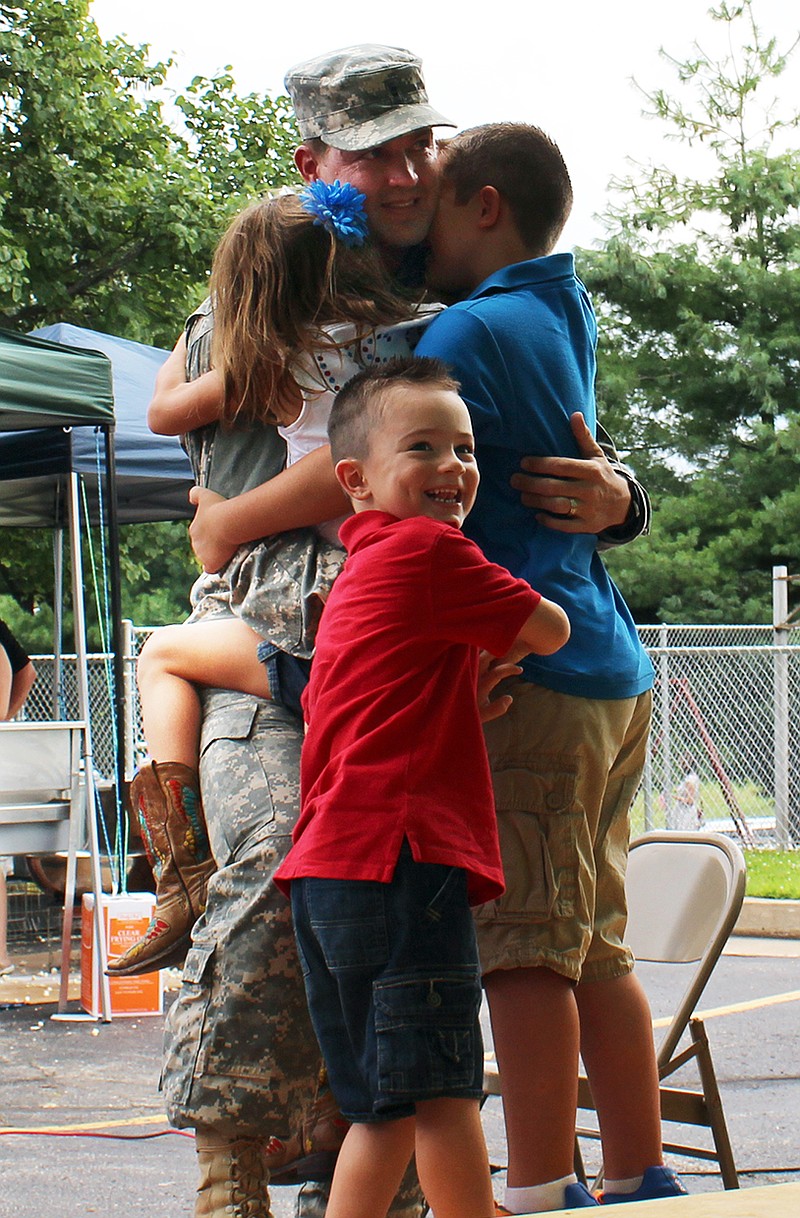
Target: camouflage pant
(240, 1053)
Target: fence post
(780, 640)
(666, 752)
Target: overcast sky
(566, 65)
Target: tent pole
(90, 790)
(117, 631)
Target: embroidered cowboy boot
(166, 797)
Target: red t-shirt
(395, 746)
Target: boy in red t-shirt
(397, 834)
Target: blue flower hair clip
(339, 208)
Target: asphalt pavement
(92, 1139)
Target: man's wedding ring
(574, 504)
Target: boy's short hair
(360, 405)
(524, 165)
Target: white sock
(538, 1198)
(622, 1186)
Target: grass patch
(773, 873)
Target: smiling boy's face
(421, 459)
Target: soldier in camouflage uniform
(241, 1060)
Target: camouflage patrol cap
(361, 96)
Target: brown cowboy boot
(310, 1154)
(166, 798)
(234, 1178)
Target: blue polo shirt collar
(520, 274)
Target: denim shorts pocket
(453, 888)
(428, 1035)
(538, 823)
(348, 922)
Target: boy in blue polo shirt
(568, 756)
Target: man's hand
(575, 494)
(207, 530)
(490, 673)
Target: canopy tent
(147, 477)
(152, 473)
(41, 385)
(44, 382)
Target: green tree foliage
(698, 295)
(713, 545)
(109, 214)
(153, 555)
(157, 569)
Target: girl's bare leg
(176, 659)
(452, 1160)
(370, 1166)
(166, 795)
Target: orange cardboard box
(126, 919)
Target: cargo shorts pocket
(428, 1035)
(538, 825)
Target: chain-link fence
(723, 750)
(55, 696)
(724, 743)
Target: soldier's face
(399, 179)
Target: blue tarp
(153, 474)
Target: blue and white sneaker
(577, 1196)
(657, 1182)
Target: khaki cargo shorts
(565, 773)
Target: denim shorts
(393, 986)
(287, 676)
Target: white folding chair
(684, 892)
